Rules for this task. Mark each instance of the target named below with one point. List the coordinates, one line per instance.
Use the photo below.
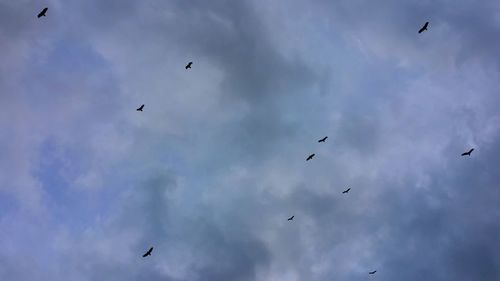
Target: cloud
(212, 168)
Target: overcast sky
(210, 171)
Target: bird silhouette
(148, 253)
(140, 108)
(310, 157)
(189, 65)
(346, 191)
(372, 272)
(424, 28)
(468, 152)
(43, 12)
(323, 139)
(290, 218)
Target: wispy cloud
(211, 169)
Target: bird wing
(148, 252)
(423, 27)
(42, 12)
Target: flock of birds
(43, 13)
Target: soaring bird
(468, 152)
(323, 139)
(310, 157)
(189, 65)
(140, 108)
(346, 191)
(424, 28)
(43, 12)
(291, 218)
(372, 272)
(148, 253)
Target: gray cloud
(210, 171)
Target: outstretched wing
(42, 13)
(148, 252)
(468, 152)
(423, 27)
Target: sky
(212, 168)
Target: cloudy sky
(213, 167)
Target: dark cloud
(210, 171)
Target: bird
(323, 139)
(148, 253)
(140, 108)
(43, 12)
(291, 218)
(310, 157)
(372, 272)
(189, 65)
(468, 152)
(346, 191)
(424, 28)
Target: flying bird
(346, 191)
(323, 139)
(372, 272)
(468, 152)
(310, 157)
(189, 65)
(291, 218)
(148, 253)
(140, 108)
(424, 28)
(42, 13)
